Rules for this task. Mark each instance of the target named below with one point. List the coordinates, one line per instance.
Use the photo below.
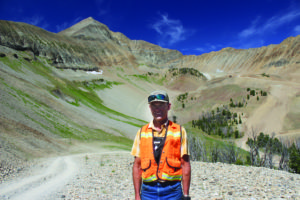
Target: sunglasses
(158, 97)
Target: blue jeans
(170, 190)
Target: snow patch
(207, 76)
(219, 71)
(94, 72)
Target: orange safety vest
(169, 166)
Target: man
(161, 168)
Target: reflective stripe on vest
(146, 135)
(169, 166)
(171, 178)
(150, 179)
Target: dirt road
(46, 179)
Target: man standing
(161, 168)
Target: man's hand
(137, 177)
(186, 174)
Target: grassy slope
(44, 115)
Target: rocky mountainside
(271, 59)
(90, 44)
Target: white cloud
(251, 30)
(36, 21)
(170, 30)
(209, 47)
(297, 30)
(258, 26)
(278, 21)
(200, 49)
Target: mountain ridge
(113, 48)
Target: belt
(165, 183)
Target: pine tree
(294, 162)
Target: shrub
(239, 162)
(265, 75)
(236, 134)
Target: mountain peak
(89, 19)
(83, 24)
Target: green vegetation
(185, 71)
(204, 147)
(15, 64)
(182, 98)
(294, 161)
(160, 79)
(237, 104)
(74, 92)
(60, 125)
(208, 149)
(151, 77)
(253, 92)
(263, 93)
(264, 140)
(142, 77)
(92, 100)
(265, 75)
(263, 147)
(221, 122)
(99, 84)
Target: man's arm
(137, 178)
(186, 174)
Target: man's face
(160, 110)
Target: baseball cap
(158, 95)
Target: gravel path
(108, 176)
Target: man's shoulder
(145, 126)
(171, 123)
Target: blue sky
(193, 27)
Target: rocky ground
(108, 176)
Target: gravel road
(107, 175)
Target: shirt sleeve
(135, 151)
(184, 143)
